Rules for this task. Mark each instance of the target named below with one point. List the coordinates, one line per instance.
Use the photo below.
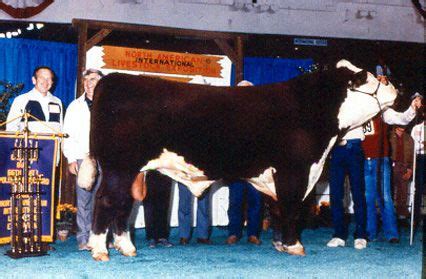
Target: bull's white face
(358, 107)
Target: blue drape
(19, 58)
(269, 70)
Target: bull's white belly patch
(316, 168)
(174, 166)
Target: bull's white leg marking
(316, 168)
(87, 173)
(124, 245)
(97, 242)
(296, 249)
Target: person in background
(237, 191)
(418, 135)
(76, 148)
(383, 72)
(377, 169)
(40, 103)
(402, 162)
(157, 208)
(202, 229)
(347, 157)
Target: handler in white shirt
(76, 147)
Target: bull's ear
(358, 79)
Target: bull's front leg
(290, 198)
(112, 208)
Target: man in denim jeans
(347, 157)
(377, 168)
(377, 153)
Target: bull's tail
(87, 173)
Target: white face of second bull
(359, 107)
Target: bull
(277, 134)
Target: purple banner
(44, 165)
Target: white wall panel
(394, 20)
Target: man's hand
(407, 174)
(416, 103)
(73, 168)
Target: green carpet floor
(379, 260)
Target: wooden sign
(145, 60)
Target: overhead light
(358, 14)
(369, 16)
(19, 31)
(273, 8)
(238, 4)
(8, 35)
(15, 33)
(30, 27)
(39, 25)
(2, 35)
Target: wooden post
(81, 65)
(239, 66)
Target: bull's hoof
(278, 245)
(130, 253)
(296, 249)
(101, 257)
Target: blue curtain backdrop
(19, 57)
(269, 70)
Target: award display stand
(25, 201)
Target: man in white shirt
(76, 148)
(45, 109)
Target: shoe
(360, 243)
(183, 241)
(254, 240)
(394, 240)
(336, 242)
(278, 245)
(83, 247)
(152, 243)
(164, 242)
(204, 241)
(232, 239)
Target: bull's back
(213, 127)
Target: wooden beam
(81, 64)
(227, 49)
(239, 67)
(98, 37)
(116, 26)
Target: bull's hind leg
(122, 239)
(112, 207)
(290, 194)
